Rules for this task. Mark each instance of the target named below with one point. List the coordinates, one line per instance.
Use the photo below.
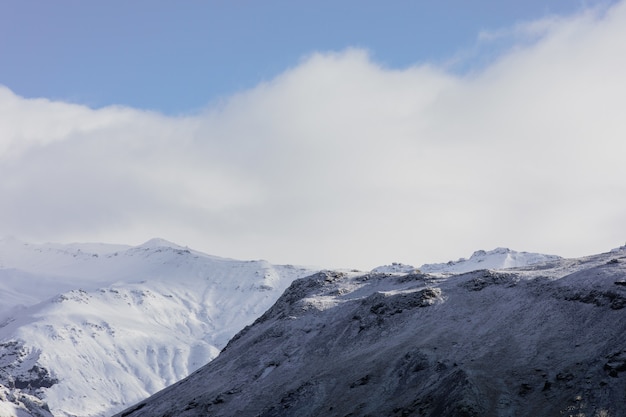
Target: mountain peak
(498, 258)
(394, 268)
(496, 251)
(157, 242)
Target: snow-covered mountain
(88, 329)
(541, 340)
(92, 328)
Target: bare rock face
(538, 341)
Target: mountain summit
(499, 258)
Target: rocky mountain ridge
(541, 340)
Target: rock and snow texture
(13, 402)
(394, 268)
(93, 328)
(544, 340)
(499, 258)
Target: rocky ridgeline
(545, 340)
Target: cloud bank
(340, 161)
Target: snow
(123, 321)
(499, 258)
(395, 268)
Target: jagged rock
(480, 280)
(616, 363)
(599, 298)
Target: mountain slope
(543, 340)
(92, 328)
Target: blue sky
(337, 134)
(178, 57)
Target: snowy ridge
(122, 321)
(542, 341)
(394, 268)
(499, 258)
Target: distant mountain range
(90, 329)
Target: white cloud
(341, 162)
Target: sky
(337, 134)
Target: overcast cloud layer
(341, 162)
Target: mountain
(93, 328)
(540, 340)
